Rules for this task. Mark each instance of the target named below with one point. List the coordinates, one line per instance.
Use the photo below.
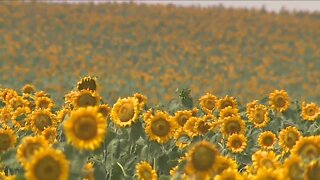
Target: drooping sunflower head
(142, 100)
(49, 164)
(28, 89)
(201, 159)
(44, 103)
(189, 127)
(181, 117)
(50, 134)
(86, 128)
(8, 139)
(293, 167)
(259, 116)
(125, 112)
(87, 83)
(208, 103)
(265, 159)
(224, 163)
(237, 143)
(229, 112)
(227, 101)
(279, 100)
(288, 138)
(233, 125)
(308, 148)
(144, 171)
(310, 111)
(312, 170)
(160, 128)
(267, 140)
(28, 147)
(41, 119)
(85, 98)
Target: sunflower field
(147, 92)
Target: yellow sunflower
(267, 140)
(208, 103)
(293, 167)
(250, 106)
(288, 138)
(310, 111)
(17, 102)
(227, 101)
(70, 97)
(144, 171)
(104, 109)
(229, 112)
(62, 114)
(28, 147)
(141, 99)
(279, 100)
(312, 171)
(229, 174)
(87, 83)
(50, 134)
(86, 128)
(233, 125)
(44, 103)
(160, 128)
(20, 117)
(202, 126)
(48, 164)
(39, 94)
(269, 174)
(259, 116)
(41, 119)
(194, 111)
(8, 139)
(308, 148)
(85, 98)
(5, 115)
(224, 163)
(237, 143)
(181, 117)
(201, 160)
(88, 171)
(265, 159)
(8, 94)
(189, 127)
(28, 89)
(125, 112)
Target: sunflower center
(309, 151)
(203, 127)
(44, 104)
(182, 120)
(290, 139)
(259, 117)
(233, 127)
(311, 112)
(47, 168)
(267, 163)
(30, 149)
(87, 100)
(104, 111)
(145, 174)
(203, 158)
(85, 128)
(209, 104)
(88, 84)
(268, 141)
(5, 142)
(236, 143)
(280, 101)
(126, 112)
(313, 172)
(42, 121)
(295, 171)
(226, 103)
(160, 127)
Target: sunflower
(87, 83)
(312, 171)
(8, 94)
(41, 119)
(310, 112)
(141, 99)
(50, 134)
(44, 103)
(251, 105)
(125, 112)
(28, 89)
(293, 167)
(70, 97)
(259, 116)
(194, 111)
(62, 114)
(88, 171)
(48, 164)
(208, 103)
(8, 139)
(144, 171)
(265, 159)
(17, 102)
(279, 100)
(229, 112)
(233, 125)
(85, 98)
(189, 127)
(308, 148)
(269, 174)
(237, 143)
(229, 174)
(224, 163)
(39, 94)
(160, 128)
(202, 126)
(201, 160)
(181, 117)
(104, 109)
(28, 147)
(288, 138)
(267, 140)
(19, 117)
(86, 128)
(5, 115)
(226, 101)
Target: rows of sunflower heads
(273, 138)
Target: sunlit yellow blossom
(279, 100)
(267, 140)
(208, 103)
(288, 137)
(125, 112)
(144, 171)
(310, 111)
(227, 101)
